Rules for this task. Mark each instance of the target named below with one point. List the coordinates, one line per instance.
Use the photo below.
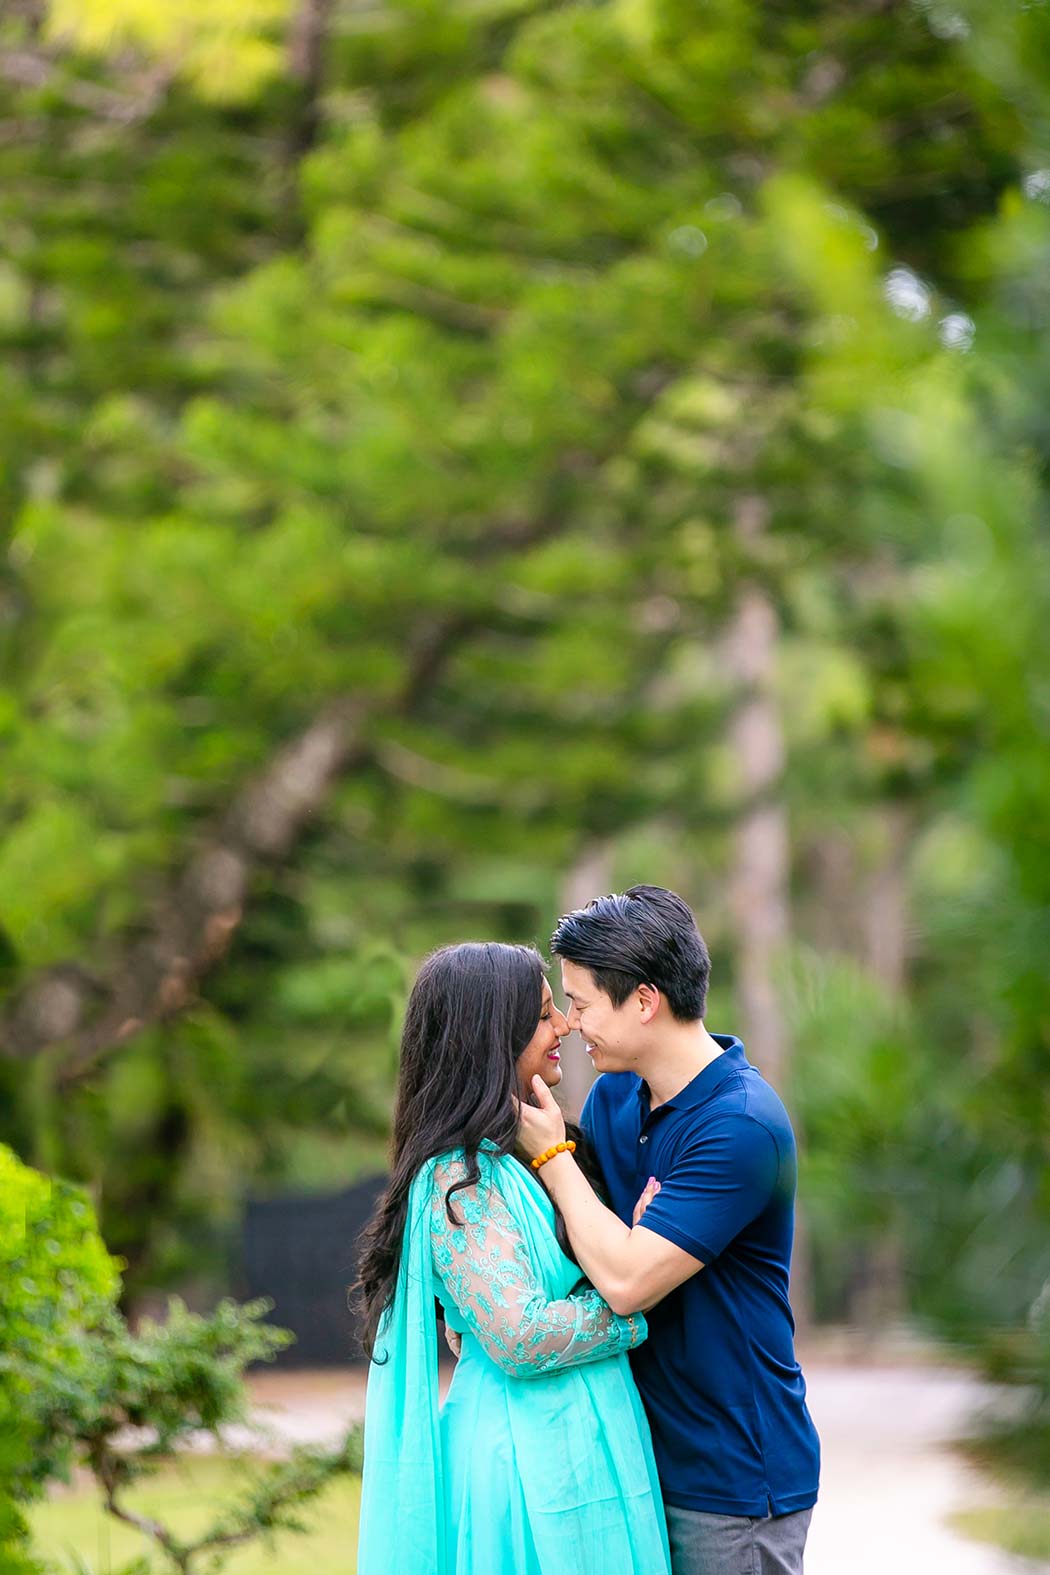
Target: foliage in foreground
(78, 1387)
(182, 1493)
(56, 1282)
(1019, 1444)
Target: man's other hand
(648, 1193)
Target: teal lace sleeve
(485, 1269)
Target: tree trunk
(885, 916)
(157, 975)
(306, 49)
(759, 880)
(880, 1299)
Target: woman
(539, 1462)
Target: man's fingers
(543, 1094)
(648, 1193)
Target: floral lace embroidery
(485, 1268)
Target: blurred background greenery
(457, 456)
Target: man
(699, 1163)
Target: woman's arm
(484, 1266)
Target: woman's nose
(561, 1027)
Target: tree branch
(306, 50)
(195, 922)
(104, 1467)
(157, 975)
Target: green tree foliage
(169, 1382)
(952, 407)
(434, 438)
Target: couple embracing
(627, 1399)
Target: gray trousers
(703, 1544)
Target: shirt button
(644, 1138)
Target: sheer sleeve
(485, 1269)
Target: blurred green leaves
(486, 373)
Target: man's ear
(648, 1001)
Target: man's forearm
(600, 1239)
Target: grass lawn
(184, 1494)
(1018, 1458)
(1022, 1527)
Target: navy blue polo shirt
(725, 1397)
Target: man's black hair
(643, 936)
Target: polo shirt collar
(699, 1091)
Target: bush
(57, 1281)
(76, 1384)
(1020, 1444)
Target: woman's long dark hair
(473, 1009)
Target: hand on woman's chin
(551, 1075)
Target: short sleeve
(716, 1187)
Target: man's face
(609, 1032)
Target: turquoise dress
(539, 1462)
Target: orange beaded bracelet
(559, 1148)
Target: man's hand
(540, 1126)
(649, 1191)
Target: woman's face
(542, 1053)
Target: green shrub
(57, 1281)
(76, 1384)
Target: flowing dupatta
(404, 1524)
(402, 1498)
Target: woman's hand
(649, 1191)
(540, 1125)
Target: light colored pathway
(890, 1477)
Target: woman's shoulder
(450, 1165)
(473, 1192)
(493, 1174)
(453, 1165)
